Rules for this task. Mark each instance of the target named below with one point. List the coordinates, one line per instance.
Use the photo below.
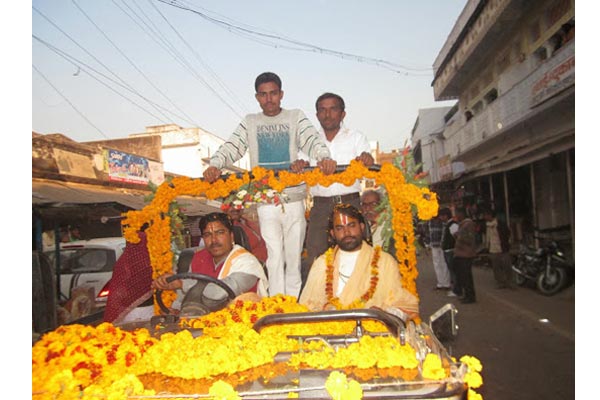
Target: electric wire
(178, 57)
(68, 101)
(301, 46)
(207, 67)
(81, 65)
(94, 57)
(190, 68)
(189, 119)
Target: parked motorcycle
(546, 267)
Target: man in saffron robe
(355, 275)
(221, 258)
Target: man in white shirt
(344, 145)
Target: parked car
(86, 262)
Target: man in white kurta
(353, 272)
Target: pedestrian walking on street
(465, 250)
(447, 244)
(497, 241)
(436, 228)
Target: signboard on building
(554, 81)
(125, 167)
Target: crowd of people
(343, 236)
(456, 241)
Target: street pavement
(525, 340)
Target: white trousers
(442, 272)
(283, 231)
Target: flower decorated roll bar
(402, 197)
(271, 349)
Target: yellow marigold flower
(432, 367)
(473, 379)
(63, 385)
(223, 391)
(473, 395)
(339, 388)
(128, 385)
(293, 395)
(472, 362)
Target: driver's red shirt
(202, 263)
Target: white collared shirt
(345, 147)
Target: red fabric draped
(131, 281)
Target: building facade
(509, 142)
(90, 185)
(186, 151)
(427, 140)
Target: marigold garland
(84, 362)
(402, 197)
(362, 300)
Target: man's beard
(371, 217)
(350, 245)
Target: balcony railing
(550, 77)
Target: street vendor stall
(273, 348)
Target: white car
(86, 262)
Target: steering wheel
(198, 277)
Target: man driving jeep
(222, 259)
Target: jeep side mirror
(443, 323)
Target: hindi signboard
(554, 81)
(125, 167)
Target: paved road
(523, 358)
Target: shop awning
(70, 201)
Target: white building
(186, 151)
(427, 140)
(510, 64)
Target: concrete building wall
(183, 160)
(148, 146)
(185, 151)
(427, 135)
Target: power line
(169, 48)
(68, 101)
(202, 62)
(189, 119)
(91, 55)
(274, 39)
(190, 68)
(81, 64)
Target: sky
(107, 69)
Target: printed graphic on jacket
(273, 146)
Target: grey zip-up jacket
(273, 143)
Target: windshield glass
(82, 260)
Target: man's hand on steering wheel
(162, 284)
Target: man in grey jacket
(273, 139)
